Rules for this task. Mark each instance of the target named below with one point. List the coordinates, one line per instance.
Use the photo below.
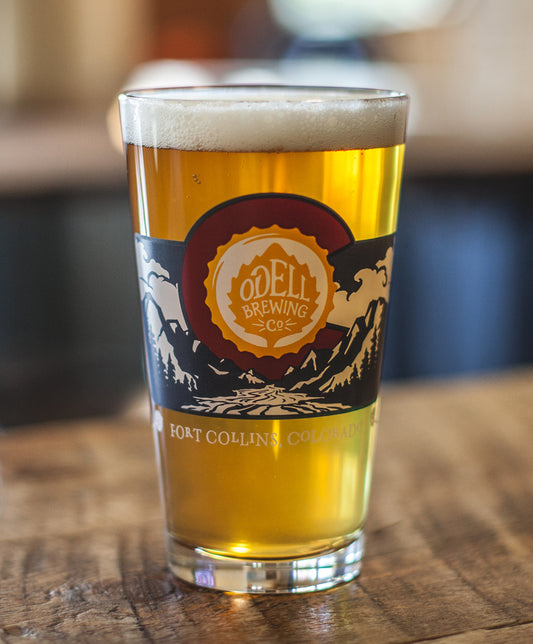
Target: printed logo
(270, 308)
(270, 290)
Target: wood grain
(449, 550)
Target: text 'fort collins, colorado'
(263, 439)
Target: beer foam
(263, 119)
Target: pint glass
(264, 222)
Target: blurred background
(70, 337)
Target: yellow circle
(270, 290)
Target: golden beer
(265, 451)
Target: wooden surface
(449, 540)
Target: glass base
(325, 570)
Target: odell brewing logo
(270, 290)
(270, 308)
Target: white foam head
(266, 119)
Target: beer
(264, 223)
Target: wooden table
(449, 540)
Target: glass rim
(260, 93)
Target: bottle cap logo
(270, 290)
(258, 280)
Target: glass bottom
(208, 570)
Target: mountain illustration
(185, 374)
(352, 368)
(251, 378)
(178, 364)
